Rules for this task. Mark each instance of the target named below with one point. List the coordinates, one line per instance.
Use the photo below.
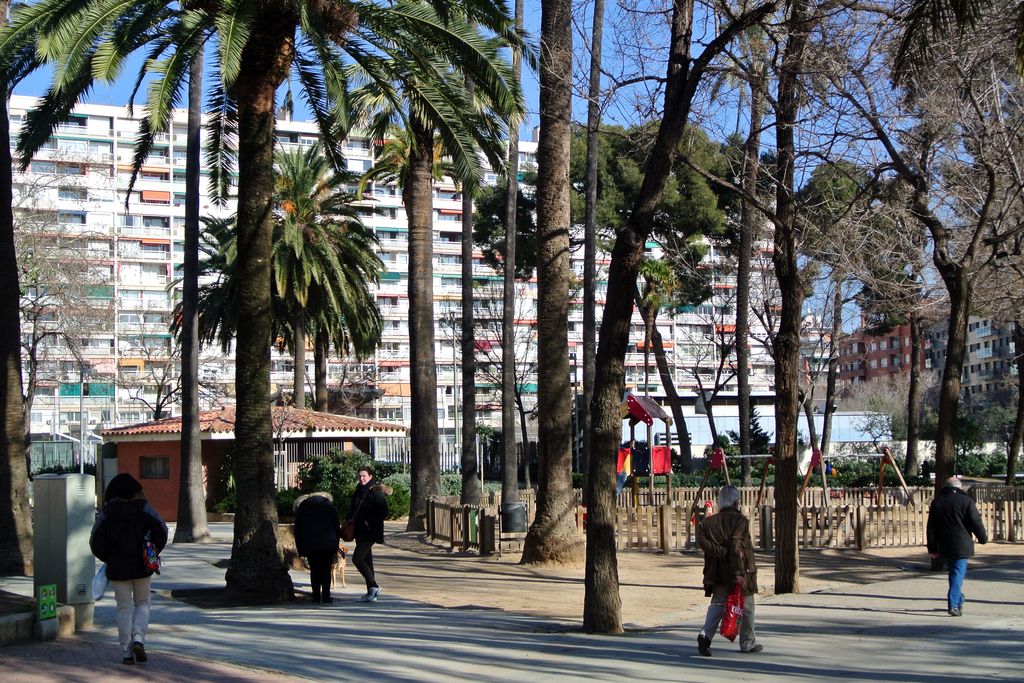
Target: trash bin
(513, 517)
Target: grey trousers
(716, 610)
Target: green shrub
(400, 500)
(451, 484)
(337, 474)
(286, 501)
(978, 464)
(226, 504)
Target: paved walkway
(891, 631)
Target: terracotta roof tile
(286, 420)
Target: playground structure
(637, 409)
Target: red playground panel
(661, 460)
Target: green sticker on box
(48, 601)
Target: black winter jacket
(369, 509)
(118, 537)
(952, 518)
(316, 526)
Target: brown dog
(338, 568)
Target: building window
(155, 467)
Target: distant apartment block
(865, 356)
(988, 357)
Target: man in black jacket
(952, 518)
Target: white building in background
(75, 188)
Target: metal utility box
(63, 514)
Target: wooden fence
(845, 518)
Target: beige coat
(728, 550)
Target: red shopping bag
(733, 613)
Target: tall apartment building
(988, 356)
(71, 205)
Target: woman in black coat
(368, 511)
(316, 539)
(119, 538)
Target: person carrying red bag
(728, 561)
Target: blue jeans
(957, 567)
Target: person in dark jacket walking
(728, 561)
(952, 518)
(119, 539)
(316, 538)
(368, 511)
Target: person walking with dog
(728, 561)
(367, 513)
(952, 519)
(316, 538)
(119, 538)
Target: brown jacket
(728, 550)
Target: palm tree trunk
(787, 270)
(509, 463)
(590, 230)
(426, 465)
(552, 536)
(748, 219)
(299, 357)
(1018, 422)
(191, 525)
(321, 349)
(15, 515)
(912, 465)
(470, 473)
(257, 572)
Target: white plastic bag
(100, 583)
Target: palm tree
(191, 525)
(553, 537)
(430, 149)
(15, 518)
(258, 45)
(320, 292)
(323, 266)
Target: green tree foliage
(489, 226)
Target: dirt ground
(656, 589)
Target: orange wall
(163, 493)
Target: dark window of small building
(155, 467)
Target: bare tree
(955, 139)
(154, 379)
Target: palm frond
(222, 144)
(233, 21)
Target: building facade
(98, 307)
(988, 357)
(865, 357)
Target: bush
(337, 474)
(227, 503)
(286, 501)
(978, 464)
(400, 500)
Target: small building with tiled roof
(151, 451)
